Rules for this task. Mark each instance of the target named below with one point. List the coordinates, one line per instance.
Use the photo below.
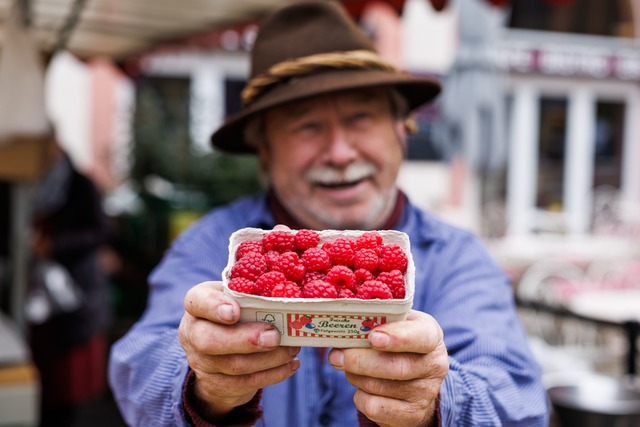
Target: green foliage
(163, 146)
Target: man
(327, 118)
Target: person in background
(70, 348)
(327, 118)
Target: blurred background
(533, 144)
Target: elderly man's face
(333, 159)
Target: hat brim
(417, 90)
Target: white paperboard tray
(329, 322)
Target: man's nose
(340, 149)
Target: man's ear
(411, 125)
(401, 132)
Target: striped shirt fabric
(493, 378)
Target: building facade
(537, 122)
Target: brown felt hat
(310, 48)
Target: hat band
(354, 59)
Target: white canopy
(120, 28)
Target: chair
(559, 342)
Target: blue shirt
(493, 378)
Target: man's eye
(361, 116)
(309, 127)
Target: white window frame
(582, 96)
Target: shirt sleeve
(493, 378)
(245, 415)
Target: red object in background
(559, 2)
(499, 3)
(439, 4)
(355, 7)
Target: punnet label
(321, 325)
(328, 326)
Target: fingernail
(336, 358)
(225, 312)
(294, 364)
(379, 339)
(269, 338)
(294, 350)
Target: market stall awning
(120, 28)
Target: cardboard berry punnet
(322, 322)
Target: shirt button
(325, 419)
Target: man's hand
(399, 377)
(231, 360)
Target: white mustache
(332, 176)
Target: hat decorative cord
(355, 59)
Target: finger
(385, 411)
(205, 337)
(281, 227)
(222, 384)
(257, 362)
(377, 364)
(410, 390)
(419, 333)
(207, 301)
(243, 364)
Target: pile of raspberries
(293, 264)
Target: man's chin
(353, 218)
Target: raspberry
(345, 293)
(362, 276)
(250, 266)
(272, 258)
(392, 257)
(312, 275)
(342, 277)
(249, 246)
(341, 252)
(316, 259)
(306, 239)
(286, 289)
(281, 241)
(374, 289)
(319, 289)
(268, 281)
(290, 264)
(240, 284)
(395, 280)
(369, 240)
(366, 259)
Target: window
(596, 17)
(427, 143)
(608, 144)
(232, 95)
(551, 153)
